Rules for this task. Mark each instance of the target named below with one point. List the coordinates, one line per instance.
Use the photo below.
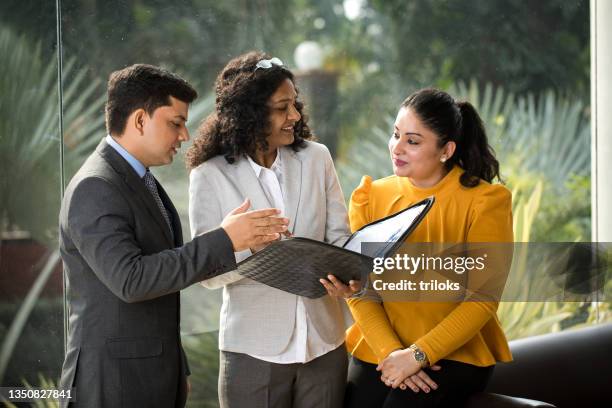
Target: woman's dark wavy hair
(460, 123)
(240, 124)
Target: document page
(387, 231)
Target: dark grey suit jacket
(124, 273)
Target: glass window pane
(31, 300)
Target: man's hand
(338, 289)
(287, 234)
(254, 228)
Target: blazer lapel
(291, 184)
(136, 184)
(249, 184)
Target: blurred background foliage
(383, 50)
(524, 65)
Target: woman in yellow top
(444, 352)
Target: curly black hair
(240, 123)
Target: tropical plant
(545, 135)
(44, 383)
(23, 313)
(368, 155)
(30, 140)
(523, 316)
(30, 151)
(544, 138)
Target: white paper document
(387, 231)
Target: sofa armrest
(490, 400)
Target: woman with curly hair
(277, 349)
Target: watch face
(419, 356)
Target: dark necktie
(149, 181)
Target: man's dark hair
(142, 86)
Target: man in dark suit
(125, 262)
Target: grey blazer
(255, 318)
(124, 272)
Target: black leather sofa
(570, 369)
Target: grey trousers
(247, 382)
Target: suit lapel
(291, 184)
(136, 184)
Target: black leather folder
(296, 264)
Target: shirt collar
(138, 167)
(257, 168)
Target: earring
(443, 159)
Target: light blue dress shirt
(138, 167)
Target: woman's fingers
(420, 383)
(328, 286)
(408, 381)
(355, 285)
(390, 382)
(396, 383)
(341, 288)
(335, 287)
(423, 376)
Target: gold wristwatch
(419, 355)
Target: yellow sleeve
(359, 210)
(375, 326)
(491, 222)
(492, 216)
(367, 311)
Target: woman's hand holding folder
(338, 289)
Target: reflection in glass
(31, 310)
